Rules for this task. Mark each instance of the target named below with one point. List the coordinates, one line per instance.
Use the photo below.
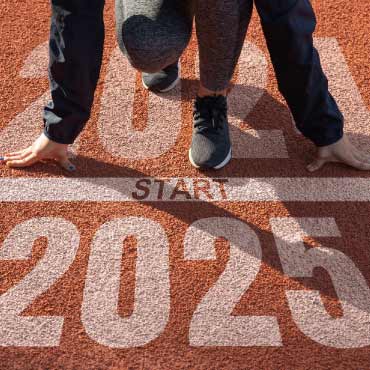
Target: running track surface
(139, 261)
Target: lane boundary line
(183, 189)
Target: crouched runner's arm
(75, 57)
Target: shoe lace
(209, 113)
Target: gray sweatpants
(154, 33)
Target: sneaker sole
(173, 85)
(220, 165)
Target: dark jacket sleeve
(75, 57)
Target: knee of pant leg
(147, 60)
(289, 34)
(150, 46)
(293, 16)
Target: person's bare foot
(343, 151)
(43, 148)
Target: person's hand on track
(343, 151)
(42, 149)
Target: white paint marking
(152, 294)
(115, 121)
(251, 85)
(63, 241)
(29, 122)
(36, 64)
(352, 330)
(345, 91)
(212, 323)
(236, 189)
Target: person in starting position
(153, 34)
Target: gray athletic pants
(154, 33)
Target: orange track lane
(343, 37)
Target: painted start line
(182, 189)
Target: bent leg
(288, 26)
(75, 56)
(221, 36)
(153, 33)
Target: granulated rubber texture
(343, 27)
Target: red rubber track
(24, 26)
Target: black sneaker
(210, 146)
(164, 80)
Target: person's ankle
(203, 92)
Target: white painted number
(345, 92)
(250, 87)
(116, 133)
(63, 241)
(29, 122)
(152, 295)
(212, 323)
(353, 329)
